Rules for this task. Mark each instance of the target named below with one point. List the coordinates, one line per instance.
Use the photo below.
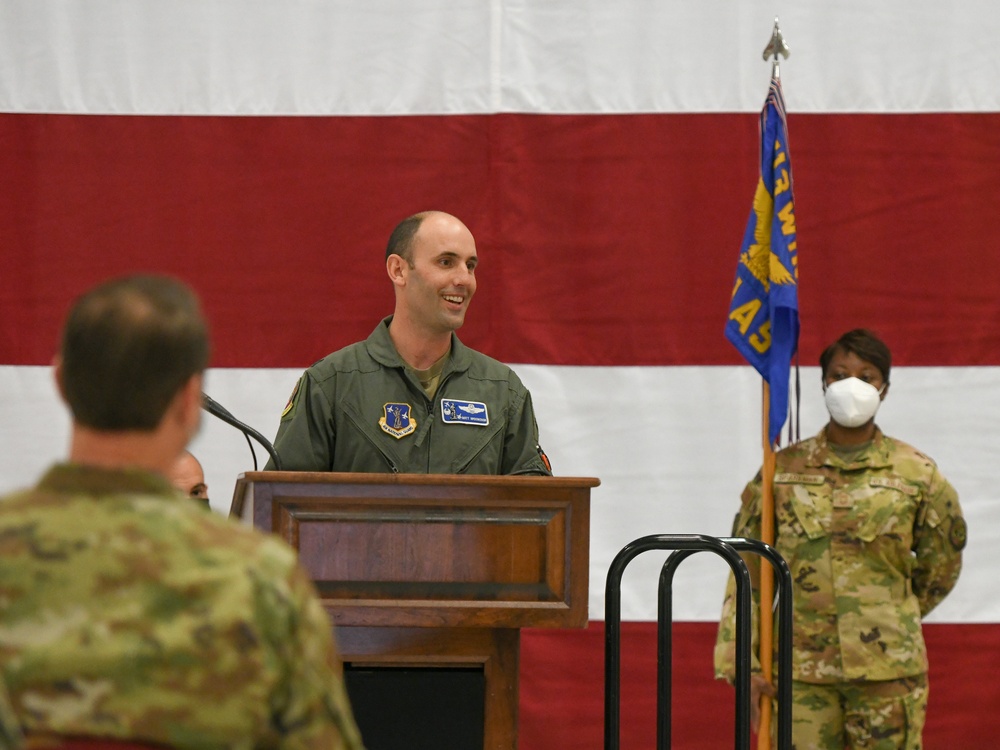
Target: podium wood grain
(435, 570)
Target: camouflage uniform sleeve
(746, 525)
(939, 538)
(522, 452)
(314, 710)
(305, 438)
(10, 731)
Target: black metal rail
(682, 547)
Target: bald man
(412, 398)
(187, 475)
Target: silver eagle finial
(775, 47)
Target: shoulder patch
(791, 478)
(545, 459)
(291, 399)
(894, 484)
(958, 534)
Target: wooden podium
(427, 570)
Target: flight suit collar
(383, 351)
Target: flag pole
(766, 576)
(775, 47)
(763, 325)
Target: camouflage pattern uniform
(332, 421)
(873, 538)
(10, 729)
(129, 611)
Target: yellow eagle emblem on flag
(765, 266)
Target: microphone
(216, 409)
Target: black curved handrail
(683, 546)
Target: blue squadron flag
(763, 319)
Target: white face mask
(852, 402)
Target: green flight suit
(361, 410)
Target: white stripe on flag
(395, 57)
(673, 447)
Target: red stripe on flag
(605, 240)
(562, 689)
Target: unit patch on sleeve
(456, 411)
(396, 420)
(958, 534)
(291, 399)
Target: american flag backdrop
(604, 155)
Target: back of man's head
(128, 347)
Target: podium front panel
(433, 550)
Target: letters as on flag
(764, 315)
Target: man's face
(441, 281)
(188, 477)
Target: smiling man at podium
(412, 398)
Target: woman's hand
(758, 687)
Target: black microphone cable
(216, 409)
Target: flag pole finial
(776, 46)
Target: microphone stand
(216, 409)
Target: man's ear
(57, 374)
(396, 267)
(186, 405)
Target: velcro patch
(816, 479)
(958, 534)
(397, 421)
(894, 484)
(456, 411)
(291, 399)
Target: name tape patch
(894, 484)
(789, 478)
(456, 411)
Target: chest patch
(894, 484)
(456, 411)
(396, 420)
(812, 479)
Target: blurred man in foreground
(126, 615)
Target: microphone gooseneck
(216, 409)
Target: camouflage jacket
(360, 409)
(129, 611)
(10, 728)
(873, 543)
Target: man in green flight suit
(412, 398)
(130, 613)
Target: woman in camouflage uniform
(873, 534)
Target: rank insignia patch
(397, 420)
(455, 411)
